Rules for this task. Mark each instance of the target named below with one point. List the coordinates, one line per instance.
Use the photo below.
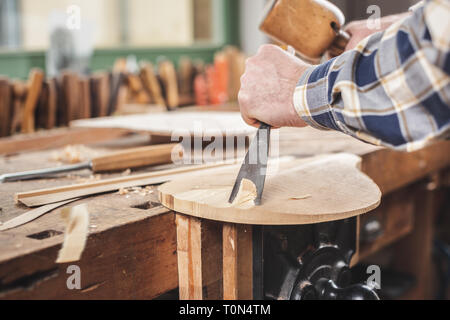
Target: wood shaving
(72, 154)
(246, 194)
(307, 196)
(126, 173)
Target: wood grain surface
(298, 192)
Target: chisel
(131, 158)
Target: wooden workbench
(131, 251)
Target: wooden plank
(58, 194)
(230, 262)
(237, 262)
(134, 261)
(304, 191)
(57, 138)
(199, 254)
(34, 90)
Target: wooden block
(41, 108)
(137, 91)
(71, 92)
(199, 252)
(85, 98)
(34, 90)
(186, 73)
(116, 99)
(151, 83)
(52, 104)
(5, 107)
(100, 94)
(236, 60)
(169, 80)
(19, 94)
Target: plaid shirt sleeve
(392, 90)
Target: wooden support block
(199, 250)
(237, 262)
(5, 107)
(413, 254)
(34, 90)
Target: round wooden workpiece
(302, 191)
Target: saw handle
(137, 157)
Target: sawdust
(72, 154)
(136, 190)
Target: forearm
(392, 90)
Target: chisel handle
(137, 157)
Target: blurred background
(77, 59)
(146, 28)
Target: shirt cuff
(311, 98)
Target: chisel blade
(254, 167)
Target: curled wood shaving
(246, 194)
(77, 229)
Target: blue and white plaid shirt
(393, 89)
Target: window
(27, 24)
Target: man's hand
(267, 88)
(359, 30)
